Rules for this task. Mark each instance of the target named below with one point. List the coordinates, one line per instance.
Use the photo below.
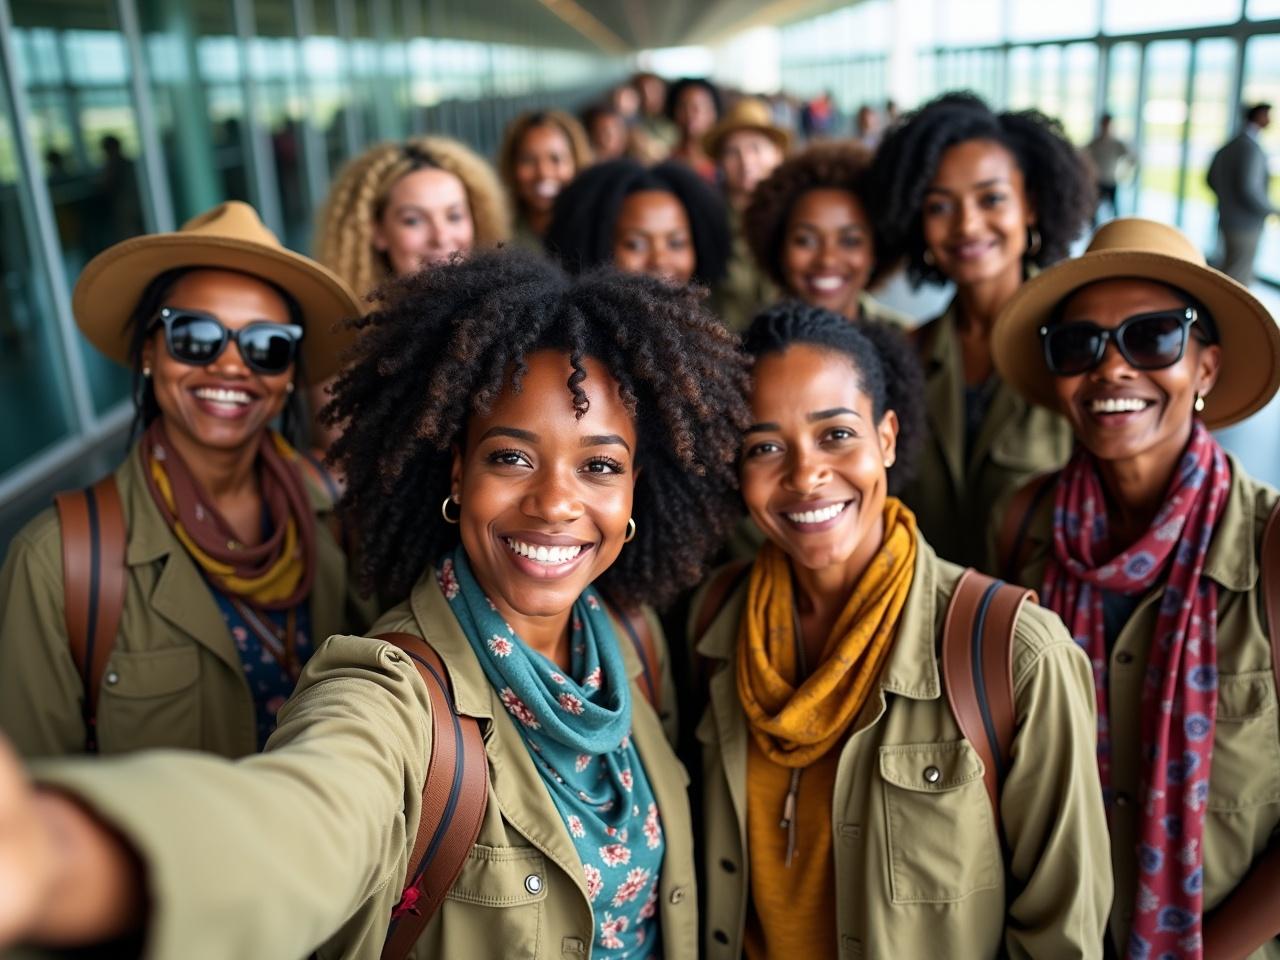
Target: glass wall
(120, 117)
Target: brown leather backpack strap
(1011, 543)
(94, 540)
(977, 670)
(717, 595)
(1250, 916)
(311, 462)
(454, 797)
(636, 626)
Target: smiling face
(976, 213)
(223, 406)
(1120, 413)
(695, 112)
(426, 220)
(543, 165)
(827, 251)
(653, 236)
(814, 474)
(545, 497)
(747, 157)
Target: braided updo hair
(887, 368)
(344, 232)
(446, 342)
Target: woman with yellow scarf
(845, 814)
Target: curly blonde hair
(579, 144)
(344, 231)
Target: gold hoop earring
(1033, 241)
(1199, 403)
(444, 509)
(288, 387)
(146, 373)
(928, 259)
(631, 530)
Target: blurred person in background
(982, 200)
(747, 147)
(1239, 177)
(1108, 154)
(651, 118)
(818, 117)
(541, 152)
(694, 105)
(606, 131)
(664, 221)
(399, 207)
(867, 130)
(809, 231)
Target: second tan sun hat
(228, 237)
(1144, 249)
(749, 113)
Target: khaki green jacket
(175, 678)
(745, 290)
(269, 856)
(953, 496)
(918, 868)
(1243, 816)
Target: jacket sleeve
(1253, 182)
(40, 689)
(1051, 804)
(268, 856)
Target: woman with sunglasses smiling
(231, 571)
(525, 450)
(1148, 545)
(845, 812)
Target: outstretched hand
(28, 851)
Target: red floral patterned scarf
(1180, 694)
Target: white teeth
(826, 284)
(817, 516)
(543, 554)
(217, 395)
(547, 189)
(1118, 405)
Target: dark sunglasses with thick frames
(198, 338)
(1147, 341)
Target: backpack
(456, 791)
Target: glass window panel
(1037, 20)
(1263, 9)
(1164, 113)
(1023, 92)
(1049, 80)
(1211, 124)
(32, 379)
(1262, 83)
(1080, 72)
(1122, 103)
(85, 132)
(1126, 16)
(968, 22)
(276, 66)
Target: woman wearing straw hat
(1147, 544)
(746, 146)
(230, 574)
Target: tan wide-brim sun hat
(1144, 249)
(228, 237)
(749, 113)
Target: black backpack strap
(1011, 545)
(454, 797)
(94, 540)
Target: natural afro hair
(358, 196)
(446, 342)
(587, 211)
(887, 368)
(824, 166)
(1057, 182)
(676, 90)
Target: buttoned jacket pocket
(150, 698)
(941, 831)
(495, 907)
(1245, 768)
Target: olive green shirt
(175, 677)
(305, 847)
(1243, 814)
(918, 866)
(956, 490)
(745, 290)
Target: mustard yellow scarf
(796, 726)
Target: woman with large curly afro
(982, 200)
(531, 460)
(661, 220)
(808, 229)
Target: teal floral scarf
(578, 731)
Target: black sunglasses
(198, 338)
(1147, 341)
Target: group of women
(535, 458)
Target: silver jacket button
(533, 883)
(112, 678)
(932, 774)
